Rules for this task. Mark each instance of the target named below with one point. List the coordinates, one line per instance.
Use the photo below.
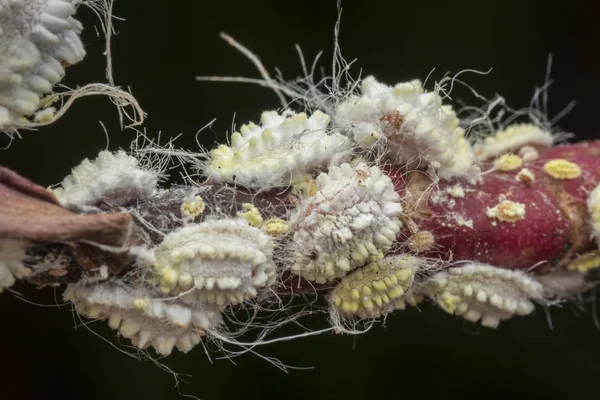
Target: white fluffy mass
(283, 147)
(352, 219)
(593, 204)
(112, 177)
(223, 261)
(160, 323)
(12, 253)
(413, 125)
(511, 139)
(36, 38)
(482, 292)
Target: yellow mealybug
(275, 226)
(585, 262)
(508, 162)
(304, 186)
(141, 304)
(562, 169)
(193, 207)
(507, 211)
(375, 289)
(525, 176)
(420, 241)
(251, 214)
(45, 115)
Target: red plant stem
(554, 229)
(555, 226)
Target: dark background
(159, 50)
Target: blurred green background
(159, 50)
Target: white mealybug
(482, 292)
(413, 124)
(285, 146)
(36, 36)
(161, 323)
(12, 253)
(223, 261)
(112, 177)
(593, 204)
(512, 139)
(351, 220)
